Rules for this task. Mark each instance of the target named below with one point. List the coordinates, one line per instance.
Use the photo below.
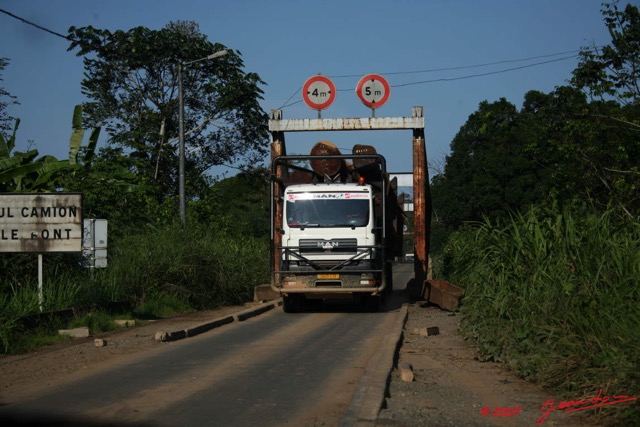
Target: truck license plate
(328, 276)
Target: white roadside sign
(41, 222)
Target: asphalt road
(277, 369)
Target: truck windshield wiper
(307, 224)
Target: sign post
(373, 90)
(40, 284)
(318, 92)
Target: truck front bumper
(328, 283)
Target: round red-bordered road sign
(373, 90)
(318, 92)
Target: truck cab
(329, 229)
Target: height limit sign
(373, 90)
(318, 92)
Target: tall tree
(132, 83)
(560, 144)
(238, 206)
(488, 171)
(613, 70)
(586, 151)
(6, 99)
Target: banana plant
(82, 157)
(26, 172)
(77, 135)
(23, 171)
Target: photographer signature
(580, 405)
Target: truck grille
(322, 246)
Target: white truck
(338, 223)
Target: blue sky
(288, 41)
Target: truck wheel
(389, 278)
(291, 303)
(373, 303)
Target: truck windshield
(316, 212)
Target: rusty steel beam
(344, 124)
(278, 148)
(422, 210)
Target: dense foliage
(132, 82)
(238, 206)
(556, 295)
(557, 146)
(543, 203)
(6, 99)
(155, 271)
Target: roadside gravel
(451, 387)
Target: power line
(289, 105)
(40, 27)
(432, 70)
(448, 79)
(444, 79)
(286, 102)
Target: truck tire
(291, 303)
(389, 278)
(373, 303)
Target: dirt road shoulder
(451, 387)
(44, 367)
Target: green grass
(194, 265)
(162, 305)
(97, 321)
(159, 272)
(555, 295)
(40, 337)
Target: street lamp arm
(218, 54)
(212, 56)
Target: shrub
(556, 295)
(195, 264)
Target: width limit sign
(318, 92)
(373, 90)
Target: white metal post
(40, 286)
